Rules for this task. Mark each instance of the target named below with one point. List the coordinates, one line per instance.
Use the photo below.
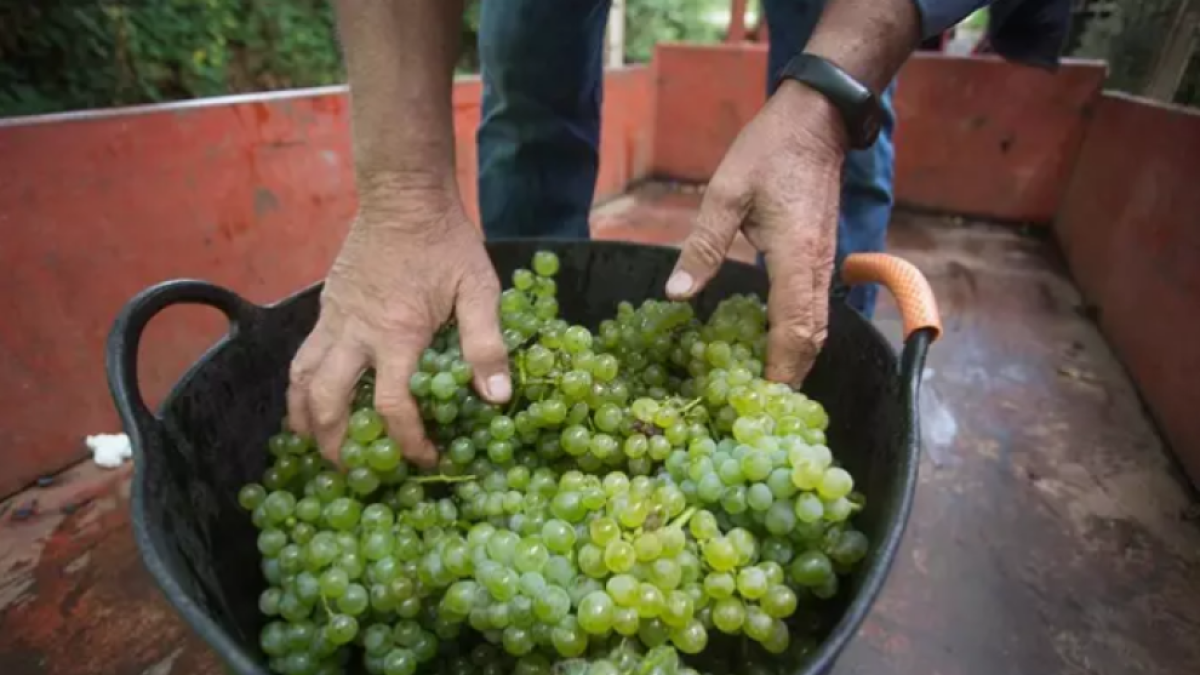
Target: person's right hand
(407, 265)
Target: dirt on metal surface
(74, 597)
(1051, 534)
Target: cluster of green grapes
(644, 496)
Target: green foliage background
(58, 55)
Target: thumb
(721, 213)
(477, 311)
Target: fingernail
(499, 387)
(679, 284)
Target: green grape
(251, 496)
(271, 542)
(678, 609)
(691, 638)
(773, 570)
(808, 508)
(704, 525)
(780, 518)
(758, 625)
(568, 638)
(591, 561)
(633, 514)
(756, 465)
(826, 589)
(334, 582)
(517, 641)
(400, 662)
(530, 555)
(268, 601)
(835, 484)
(279, 506)
(595, 613)
(603, 530)
(720, 554)
(759, 497)
(552, 605)
(779, 602)
(545, 263)
(619, 556)
(354, 601)
(377, 640)
(720, 585)
(559, 536)
(752, 583)
(811, 568)
(838, 510)
(625, 621)
(365, 425)
(623, 588)
(341, 629)
(648, 547)
(666, 573)
(729, 614)
(559, 571)
(851, 546)
(653, 633)
(780, 482)
(673, 540)
(650, 601)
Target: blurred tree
(60, 55)
(648, 22)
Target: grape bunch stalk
(645, 504)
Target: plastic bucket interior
(209, 436)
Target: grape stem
(684, 517)
(442, 478)
(691, 404)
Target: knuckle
(724, 193)
(391, 404)
(327, 410)
(705, 248)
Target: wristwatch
(857, 104)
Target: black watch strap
(857, 104)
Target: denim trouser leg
(542, 71)
(868, 175)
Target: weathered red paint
(980, 136)
(974, 135)
(1130, 229)
(251, 192)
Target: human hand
(407, 265)
(780, 184)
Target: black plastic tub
(209, 436)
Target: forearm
(400, 57)
(869, 39)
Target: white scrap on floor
(109, 450)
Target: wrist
(413, 201)
(819, 124)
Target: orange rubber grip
(914, 297)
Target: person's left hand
(780, 184)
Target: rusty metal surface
(1130, 229)
(1051, 535)
(74, 597)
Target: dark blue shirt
(1029, 31)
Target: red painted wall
(975, 135)
(252, 192)
(1130, 229)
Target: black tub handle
(121, 357)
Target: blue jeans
(539, 137)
